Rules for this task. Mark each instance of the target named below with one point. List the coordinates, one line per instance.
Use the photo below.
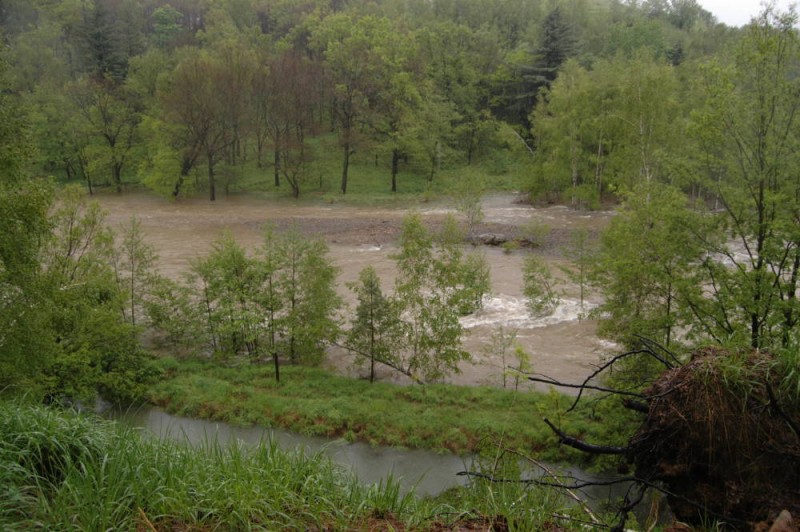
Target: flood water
(561, 346)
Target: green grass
(63, 471)
(441, 417)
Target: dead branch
(637, 406)
(399, 369)
(611, 362)
(653, 345)
(582, 445)
(549, 380)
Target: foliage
(539, 287)
(279, 301)
(581, 250)
(374, 333)
(644, 266)
(434, 285)
(746, 129)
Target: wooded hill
(199, 93)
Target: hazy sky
(738, 12)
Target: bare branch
(582, 445)
(549, 380)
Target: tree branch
(582, 445)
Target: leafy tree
(26, 342)
(359, 57)
(539, 287)
(375, 333)
(228, 280)
(537, 69)
(110, 114)
(427, 297)
(307, 282)
(747, 129)
(457, 60)
(464, 276)
(133, 262)
(500, 343)
(285, 96)
(171, 309)
(96, 349)
(644, 266)
(166, 26)
(581, 250)
(612, 127)
(469, 200)
(196, 102)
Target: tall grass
(63, 471)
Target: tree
(581, 251)
(133, 262)
(359, 60)
(537, 69)
(644, 265)
(747, 130)
(25, 341)
(539, 287)
(614, 126)
(310, 301)
(374, 333)
(228, 280)
(195, 102)
(110, 114)
(285, 98)
(428, 310)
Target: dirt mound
(720, 441)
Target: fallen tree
(720, 436)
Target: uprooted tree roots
(717, 439)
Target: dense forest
(687, 127)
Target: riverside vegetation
(691, 125)
(64, 471)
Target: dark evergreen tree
(556, 44)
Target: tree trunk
(212, 189)
(117, 175)
(395, 162)
(277, 165)
(345, 166)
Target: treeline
(183, 95)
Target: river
(561, 346)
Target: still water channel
(424, 472)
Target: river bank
(444, 418)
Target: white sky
(738, 12)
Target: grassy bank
(62, 471)
(457, 419)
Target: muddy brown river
(561, 346)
